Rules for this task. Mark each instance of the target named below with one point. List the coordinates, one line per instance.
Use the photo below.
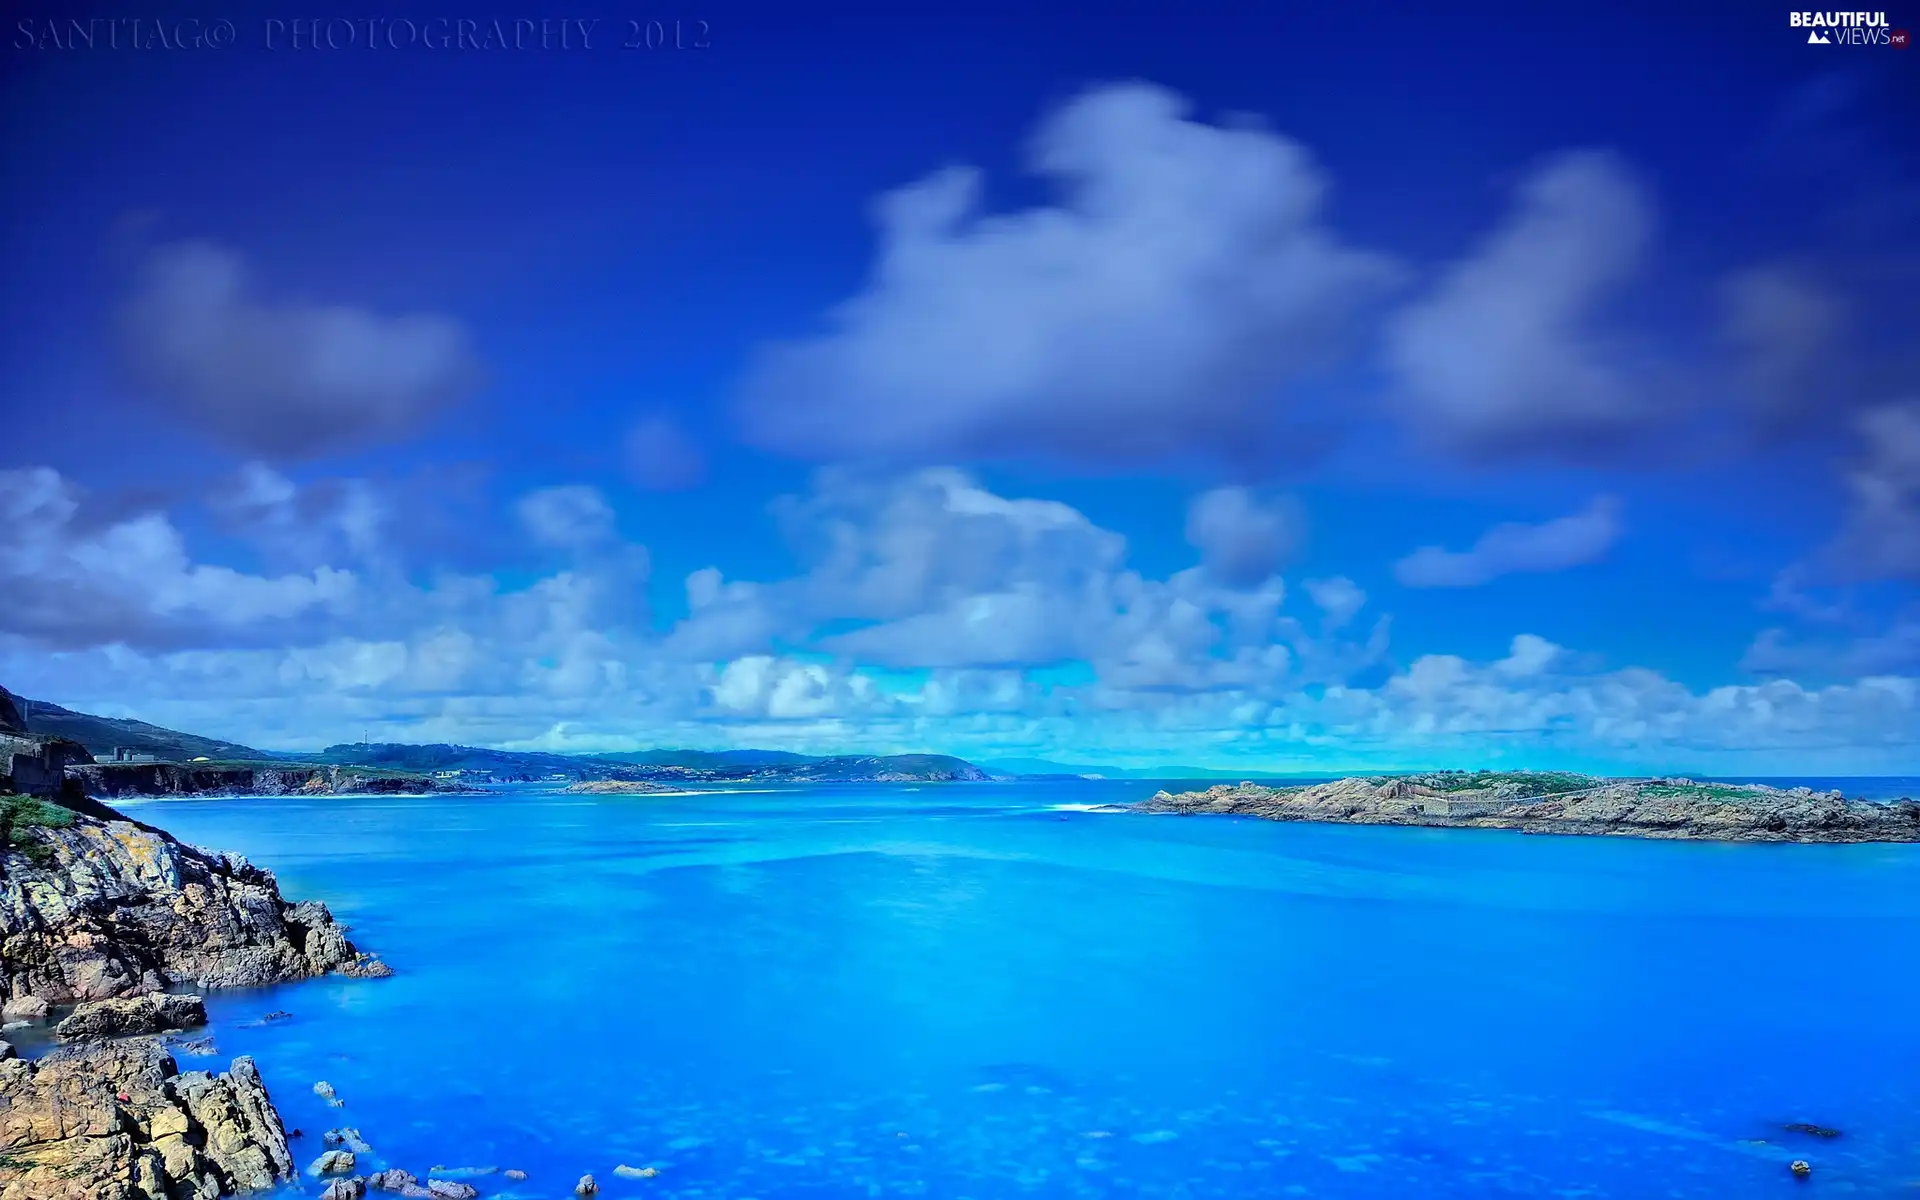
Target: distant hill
(1042, 766)
(685, 765)
(104, 735)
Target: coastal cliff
(104, 913)
(112, 780)
(92, 908)
(1553, 802)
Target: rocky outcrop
(156, 1012)
(1651, 808)
(118, 1121)
(102, 908)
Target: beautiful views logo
(1848, 29)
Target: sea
(974, 991)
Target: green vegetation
(18, 814)
(1698, 791)
(1535, 783)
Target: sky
(1317, 388)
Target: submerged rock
(586, 1187)
(451, 1189)
(514, 1175)
(1819, 1131)
(119, 1119)
(1801, 1168)
(345, 1189)
(348, 1138)
(626, 1172)
(153, 1013)
(392, 1180)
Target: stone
(349, 1139)
(124, 1016)
(324, 1090)
(1819, 1131)
(392, 1180)
(25, 1008)
(515, 1175)
(333, 1162)
(586, 1187)
(118, 1119)
(1801, 1168)
(345, 1189)
(627, 1172)
(451, 1189)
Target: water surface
(980, 991)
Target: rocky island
(1560, 802)
(100, 916)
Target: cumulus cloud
(286, 380)
(1242, 539)
(1512, 352)
(1783, 327)
(335, 520)
(1555, 545)
(1339, 599)
(71, 583)
(1184, 277)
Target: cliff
(1572, 804)
(112, 780)
(92, 908)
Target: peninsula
(1561, 802)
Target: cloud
(1881, 537)
(1181, 282)
(1339, 599)
(1506, 549)
(1241, 538)
(1783, 327)
(69, 583)
(1510, 352)
(335, 520)
(569, 517)
(660, 455)
(286, 380)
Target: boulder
(154, 1013)
(586, 1187)
(333, 1162)
(451, 1189)
(345, 1189)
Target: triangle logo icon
(1816, 38)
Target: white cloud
(286, 380)
(1511, 351)
(1339, 598)
(570, 516)
(69, 583)
(1882, 534)
(1184, 276)
(1555, 545)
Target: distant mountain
(103, 735)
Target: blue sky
(1356, 386)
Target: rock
(347, 1138)
(138, 1014)
(1819, 1131)
(586, 1187)
(1801, 1168)
(626, 1172)
(392, 1180)
(200, 1046)
(451, 1189)
(7, 1051)
(25, 1008)
(67, 1134)
(345, 1189)
(107, 907)
(461, 1172)
(324, 1090)
(514, 1175)
(333, 1162)
(278, 1015)
(1556, 802)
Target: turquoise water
(972, 991)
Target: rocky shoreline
(1554, 802)
(106, 915)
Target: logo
(1847, 29)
